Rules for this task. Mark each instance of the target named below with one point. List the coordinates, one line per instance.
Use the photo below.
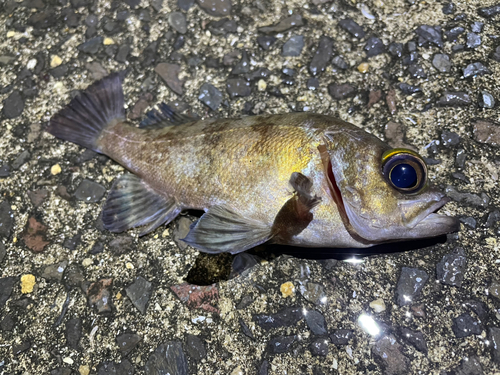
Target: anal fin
(221, 230)
(132, 203)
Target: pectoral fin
(221, 230)
(132, 203)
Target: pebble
(494, 336)
(54, 271)
(99, 295)
(223, 27)
(258, 73)
(441, 62)
(478, 307)
(43, 19)
(314, 293)
(216, 8)
(473, 40)
(316, 322)
(124, 367)
(341, 336)
(485, 131)
(485, 100)
(450, 139)
(453, 33)
(431, 34)
(312, 84)
(13, 106)
(243, 66)
(475, 69)
(3, 252)
(210, 96)
(178, 21)
(55, 61)
(264, 368)
(195, 347)
(363, 67)
(340, 63)
(493, 218)
(60, 71)
(123, 52)
(139, 293)
(287, 289)
(493, 290)
(408, 89)
(8, 323)
(4, 170)
(414, 338)
(205, 297)
(122, 244)
(168, 358)
(450, 270)
(390, 99)
(28, 282)
(21, 347)
(127, 342)
(287, 317)
(55, 169)
(341, 91)
(496, 55)
(266, 41)
(465, 325)
(89, 191)
(170, 74)
(281, 344)
(410, 59)
(410, 284)
(294, 20)
(396, 49)
(74, 333)
(378, 305)
(322, 56)
(238, 87)
(91, 46)
(417, 71)
(489, 12)
(448, 8)
(454, 99)
(389, 355)
(469, 221)
(34, 235)
(374, 46)
(349, 25)
(6, 219)
(319, 347)
(467, 198)
(185, 4)
(293, 46)
(6, 288)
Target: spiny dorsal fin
(163, 115)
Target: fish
(298, 179)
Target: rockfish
(299, 179)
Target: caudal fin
(84, 118)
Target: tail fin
(83, 119)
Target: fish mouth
(436, 224)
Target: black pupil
(404, 176)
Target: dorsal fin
(164, 115)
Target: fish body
(298, 179)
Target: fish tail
(85, 117)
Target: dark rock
(314, 293)
(352, 27)
(322, 56)
(97, 248)
(485, 100)
(216, 8)
(453, 33)
(312, 84)
(122, 244)
(441, 62)
(408, 89)
(127, 342)
(257, 74)
(99, 295)
(431, 34)
(293, 46)
(475, 69)
(287, 317)
(486, 131)
(319, 347)
(494, 335)
(473, 40)
(21, 347)
(450, 270)
(374, 46)
(71, 18)
(6, 219)
(266, 41)
(91, 20)
(73, 333)
(13, 106)
(410, 284)
(139, 293)
(243, 66)
(170, 74)
(54, 271)
(91, 46)
(465, 325)
(493, 218)
(72, 243)
(238, 87)
(246, 331)
(178, 21)
(168, 358)
(467, 198)
(294, 20)
(448, 8)
(223, 26)
(195, 347)
(478, 307)
(89, 191)
(244, 302)
(281, 344)
(3, 252)
(73, 277)
(185, 4)
(43, 19)
(341, 91)
(149, 54)
(489, 11)
(263, 368)
(114, 368)
(8, 323)
(410, 59)
(34, 235)
(21, 159)
(450, 139)
(417, 71)
(469, 221)
(123, 52)
(341, 336)
(496, 55)
(454, 99)
(414, 338)
(316, 322)
(4, 171)
(212, 62)
(389, 355)
(396, 49)
(210, 96)
(62, 371)
(6, 288)
(340, 63)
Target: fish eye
(405, 170)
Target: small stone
(414, 338)
(124, 367)
(34, 235)
(431, 34)
(475, 69)
(363, 67)
(322, 56)
(314, 293)
(238, 87)
(352, 27)
(127, 342)
(210, 96)
(281, 344)
(408, 89)
(441, 62)
(410, 284)
(454, 99)
(287, 317)
(410, 59)
(493, 218)
(378, 305)
(246, 331)
(312, 84)
(243, 66)
(74, 333)
(195, 347)
(99, 295)
(467, 198)
(6, 288)
(293, 46)
(390, 99)
(396, 49)
(21, 159)
(168, 358)
(3, 252)
(89, 191)
(139, 293)
(496, 55)
(450, 270)
(465, 325)
(469, 221)
(54, 271)
(178, 21)
(264, 368)
(389, 354)
(319, 347)
(417, 71)
(340, 63)
(493, 290)
(170, 74)
(287, 289)
(13, 106)
(294, 20)
(28, 281)
(21, 347)
(55, 169)
(55, 61)
(448, 8)
(6, 219)
(266, 41)
(91, 46)
(185, 4)
(453, 33)
(450, 139)
(205, 297)
(341, 336)
(341, 91)
(4, 171)
(316, 322)
(494, 335)
(97, 70)
(122, 244)
(216, 8)
(8, 323)
(123, 52)
(489, 12)
(374, 46)
(486, 100)
(485, 131)
(473, 40)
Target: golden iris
(405, 170)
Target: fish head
(382, 194)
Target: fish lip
(439, 223)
